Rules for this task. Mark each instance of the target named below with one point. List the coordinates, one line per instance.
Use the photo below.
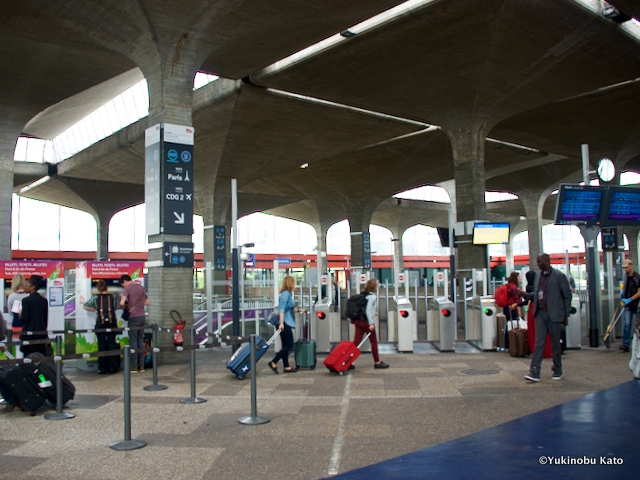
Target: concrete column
(170, 98)
(632, 238)
(102, 221)
(8, 138)
(321, 238)
(468, 158)
(510, 262)
(359, 218)
(398, 255)
(533, 203)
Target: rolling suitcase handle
(364, 340)
(272, 339)
(305, 334)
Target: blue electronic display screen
(622, 206)
(578, 204)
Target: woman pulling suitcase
(286, 310)
(367, 325)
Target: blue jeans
(629, 315)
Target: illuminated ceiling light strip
(332, 41)
(514, 145)
(388, 16)
(35, 184)
(347, 107)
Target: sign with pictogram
(177, 179)
(220, 247)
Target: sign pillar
(169, 220)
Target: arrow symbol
(179, 218)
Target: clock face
(606, 170)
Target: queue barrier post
(253, 419)
(193, 398)
(59, 415)
(154, 360)
(127, 443)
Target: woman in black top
(34, 316)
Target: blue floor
(600, 427)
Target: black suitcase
(43, 376)
(26, 395)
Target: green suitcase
(305, 348)
(306, 354)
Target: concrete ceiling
(82, 43)
(546, 75)
(461, 62)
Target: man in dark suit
(551, 304)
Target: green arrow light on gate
(488, 311)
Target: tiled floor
(321, 423)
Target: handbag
(126, 311)
(274, 318)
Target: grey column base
(128, 444)
(154, 388)
(193, 400)
(259, 420)
(59, 416)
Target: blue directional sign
(220, 247)
(284, 261)
(366, 250)
(178, 254)
(177, 179)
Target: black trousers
(287, 345)
(106, 342)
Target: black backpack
(357, 306)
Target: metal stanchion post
(154, 360)
(193, 398)
(254, 419)
(127, 443)
(59, 415)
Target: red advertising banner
(114, 269)
(47, 269)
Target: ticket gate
(433, 322)
(482, 323)
(322, 327)
(574, 328)
(448, 325)
(406, 323)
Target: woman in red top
(514, 297)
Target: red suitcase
(343, 356)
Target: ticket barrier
(482, 323)
(406, 323)
(574, 328)
(448, 325)
(323, 327)
(433, 321)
